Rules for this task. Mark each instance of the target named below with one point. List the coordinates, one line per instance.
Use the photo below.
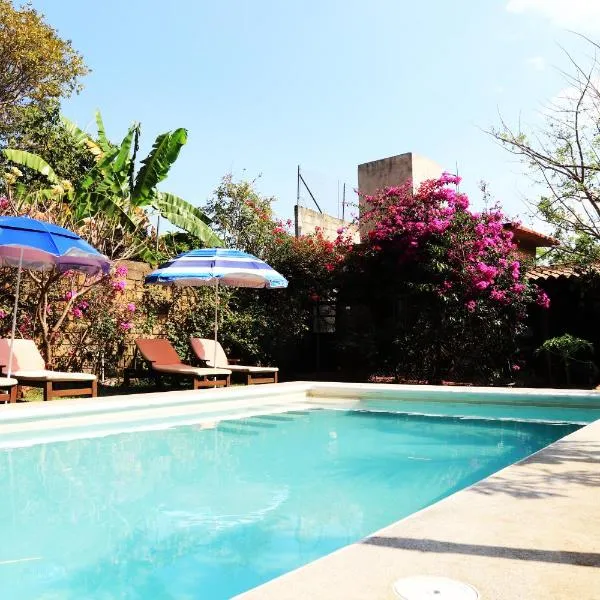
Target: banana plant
(112, 187)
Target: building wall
(307, 220)
(392, 171)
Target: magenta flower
(471, 305)
(121, 271)
(125, 325)
(119, 285)
(131, 307)
(77, 313)
(69, 295)
(542, 299)
(516, 368)
(3, 314)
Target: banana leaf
(79, 136)
(31, 161)
(186, 216)
(156, 165)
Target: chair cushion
(159, 351)
(7, 382)
(246, 369)
(205, 350)
(181, 369)
(26, 355)
(45, 375)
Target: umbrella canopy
(32, 244)
(217, 266)
(37, 245)
(214, 267)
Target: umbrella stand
(14, 319)
(216, 322)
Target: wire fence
(326, 193)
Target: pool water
(196, 513)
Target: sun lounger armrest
(200, 362)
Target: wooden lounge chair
(8, 389)
(205, 351)
(164, 360)
(29, 369)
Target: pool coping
(493, 535)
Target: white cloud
(571, 14)
(536, 62)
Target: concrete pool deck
(530, 531)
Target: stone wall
(134, 292)
(307, 220)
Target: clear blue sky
(264, 85)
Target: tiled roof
(525, 234)
(543, 273)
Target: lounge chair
(164, 360)
(205, 350)
(8, 389)
(29, 369)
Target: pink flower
(516, 368)
(482, 285)
(518, 288)
(121, 271)
(77, 313)
(125, 325)
(498, 295)
(542, 299)
(471, 305)
(4, 202)
(69, 295)
(3, 314)
(330, 267)
(131, 307)
(119, 285)
(449, 178)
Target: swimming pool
(212, 508)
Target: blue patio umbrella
(215, 267)
(31, 244)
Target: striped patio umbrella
(27, 243)
(215, 267)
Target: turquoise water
(190, 513)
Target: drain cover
(434, 588)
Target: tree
(41, 130)
(107, 207)
(111, 198)
(36, 64)
(441, 291)
(241, 216)
(564, 157)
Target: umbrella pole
(14, 320)
(216, 322)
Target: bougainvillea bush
(440, 291)
(79, 322)
(264, 326)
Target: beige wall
(392, 171)
(307, 220)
